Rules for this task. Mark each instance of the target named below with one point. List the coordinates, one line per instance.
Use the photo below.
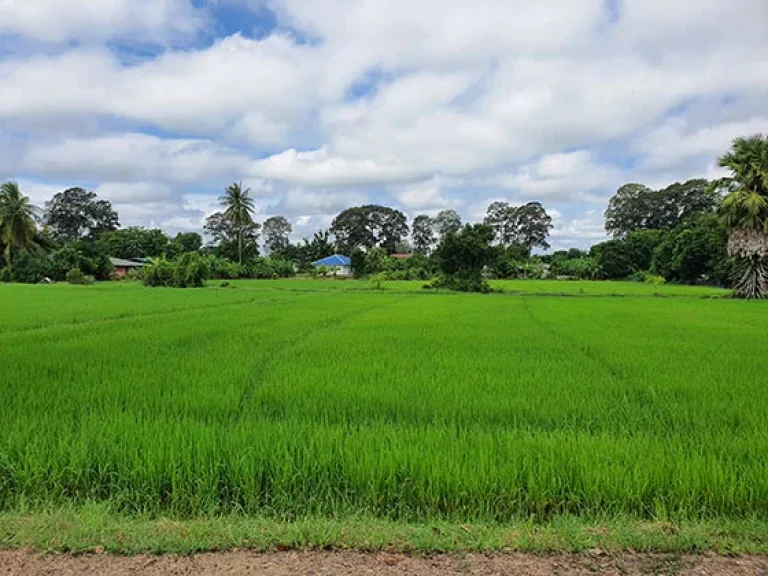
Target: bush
(76, 276)
(191, 271)
(30, 268)
(158, 273)
(459, 284)
(5, 275)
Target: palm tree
(17, 220)
(745, 210)
(239, 210)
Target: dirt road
(13, 563)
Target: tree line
(697, 231)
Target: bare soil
(27, 563)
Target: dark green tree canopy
(368, 227)
(528, 225)
(133, 242)
(77, 213)
(464, 255)
(423, 234)
(277, 233)
(226, 238)
(637, 207)
(188, 241)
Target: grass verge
(94, 529)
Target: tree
(368, 227)
(637, 207)
(17, 220)
(528, 225)
(423, 234)
(745, 211)
(188, 242)
(76, 213)
(501, 217)
(695, 251)
(133, 242)
(447, 222)
(462, 258)
(532, 225)
(238, 210)
(233, 242)
(277, 232)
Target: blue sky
(158, 105)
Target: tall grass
(396, 405)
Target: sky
(422, 105)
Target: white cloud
(423, 197)
(426, 105)
(137, 158)
(56, 21)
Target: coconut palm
(238, 209)
(745, 210)
(17, 220)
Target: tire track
(260, 370)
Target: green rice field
(299, 398)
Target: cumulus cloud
(141, 20)
(427, 105)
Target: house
(124, 267)
(401, 256)
(339, 265)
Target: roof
(401, 256)
(120, 263)
(335, 260)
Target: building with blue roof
(339, 265)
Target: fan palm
(17, 220)
(238, 210)
(745, 210)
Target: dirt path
(13, 563)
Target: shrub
(76, 276)
(30, 268)
(191, 271)
(158, 273)
(5, 275)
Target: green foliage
(75, 276)
(527, 225)
(158, 273)
(133, 242)
(463, 258)
(636, 207)
(17, 221)
(83, 255)
(423, 232)
(582, 268)
(191, 271)
(368, 227)
(30, 268)
(695, 252)
(77, 213)
(6, 275)
(655, 281)
(277, 233)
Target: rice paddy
(294, 399)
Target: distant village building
(339, 265)
(124, 267)
(401, 256)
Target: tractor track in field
(121, 318)
(583, 347)
(347, 563)
(260, 369)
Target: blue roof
(335, 260)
